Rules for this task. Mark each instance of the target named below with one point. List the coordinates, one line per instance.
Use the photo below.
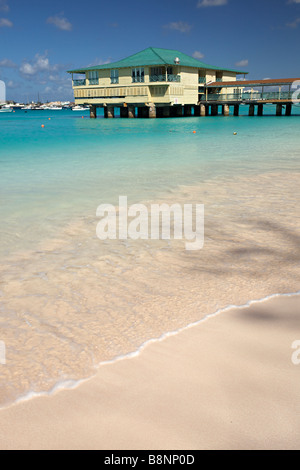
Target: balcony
(173, 78)
(219, 79)
(138, 79)
(164, 78)
(247, 97)
(79, 82)
(202, 80)
(94, 81)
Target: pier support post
(124, 112)
(110, 112)
(179, 110)
(279, 109)
(93, 112)
(251, 110)
(260, 111)
(236, 109)
(142, 112)
(226, 109)
(131, 112)
(166, 111)
(196, 110)
(152, 111)
(204, 110)
(187, 110)
(173, 111)
(214, 109)
(288, 109)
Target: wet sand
(226, 383)
(77, 301)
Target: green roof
(155, 56)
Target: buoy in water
(194, 132)
(235, 133)
(42, 125)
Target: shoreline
(243, 258)
(72, 384)
(172, 370)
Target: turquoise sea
(68, 302)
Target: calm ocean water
(69, 301)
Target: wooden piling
(110, 112)
(93, 112)
(131, 112)
(152, 111)
(279, 109)
(288, 109)
(123, 112)
(187, 110)
(214, 109)
(226, 109)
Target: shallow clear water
(69, 301)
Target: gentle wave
(72, 384)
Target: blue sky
(40, 40)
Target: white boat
(79, 108)
(5, 110)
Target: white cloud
(294, 1)
(3, 5)
(294, 24)
(38, 65)
(7, 63)
(60, 22)
(11, 84)
(211, 3)
(198, 55)
(242, 63)
(4, 22)
(100, 62)
(27, 69)
(181, 26)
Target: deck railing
(173, 78)
(202, 80)
(157, 78)
(268, 96)
(81, 82)
(94, 81)
(170, 77)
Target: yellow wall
(184, 92)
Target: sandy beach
(227, 383)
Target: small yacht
(5, 108)
(79, 108)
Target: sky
(40, 40)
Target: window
(138, 75)
(93, 76)
(114, 76)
